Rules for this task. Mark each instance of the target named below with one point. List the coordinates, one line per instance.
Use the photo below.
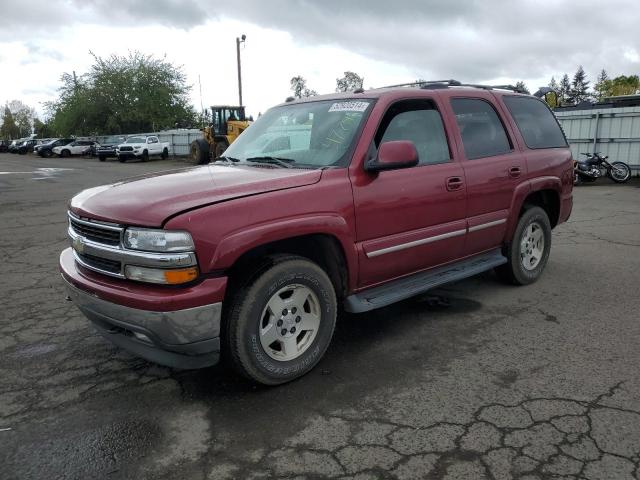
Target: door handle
(515, 172)
(454, 183)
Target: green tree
(621, 85)
(298, 85)
(601, 85)
(564, 90)
(8, 129)
(42, 129)
(521, 86)
(123, 94)
(579, 87)
(349, 82)
(23, 116)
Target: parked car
(142, 147)
(27, 146)
(46, 150)
(76, 147)
(4, 146)
(108, 146)
(15, 144)
(355, 199)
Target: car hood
(150, 199)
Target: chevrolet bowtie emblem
(78, 245)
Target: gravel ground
(478, 380)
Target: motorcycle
(596, 166)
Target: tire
(514, 271)
(251, 314)
(65, 153)
(101, 158)
(145, 156)
(165, 154)
(620, 179)
(200, 151)
(220, 148)
(46, 154)
(122, 159)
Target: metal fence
(180, 139)
(611, 131)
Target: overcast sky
(384, 41)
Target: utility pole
(239, 40)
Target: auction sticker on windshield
(349, 107)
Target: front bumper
(182, 338)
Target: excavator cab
(227, 122)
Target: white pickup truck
(142, 147)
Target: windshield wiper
(227, 159)
(283, 162)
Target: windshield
(313, 134)
(113, 140)
(136, 140)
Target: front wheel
(281, 321)
(65, 153)
(145, 156)
(620, 172)
(221, 147)
(528, 251)
(101, 158)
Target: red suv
(353, 200)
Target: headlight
(158, 240)
(157, 275)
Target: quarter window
(420, 122)
(538, 126)
(483, 134)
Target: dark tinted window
(536, 123)
(483, 134)
(419, 122)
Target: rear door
(414, 218)
(493, 167)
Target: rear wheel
(221, 147)
(281, 320)
(101, 158)
(528, 251)
(165, 154)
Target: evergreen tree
(8, 129)
(579, 87)
(601, 85)
(564, 90)
(521, 86)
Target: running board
(407, 287)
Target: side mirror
(393, 156)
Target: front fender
(235, 245)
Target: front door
(414, 218)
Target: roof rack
(436, 84)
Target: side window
(420, 122)
(538, 126)
(483, 134)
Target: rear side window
(536, 123)
(483, 134)
(420, 122)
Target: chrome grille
(96, 231)
(102, 264)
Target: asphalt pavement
(475, 380)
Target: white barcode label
(349, 107)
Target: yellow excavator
(227, 122)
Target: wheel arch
(325, 249)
